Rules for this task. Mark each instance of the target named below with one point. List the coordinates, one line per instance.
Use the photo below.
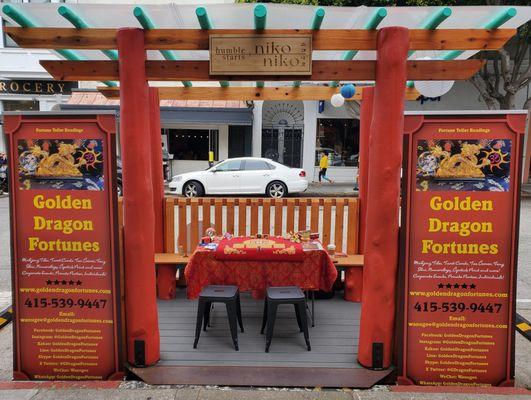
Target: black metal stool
(284, 295)
(230, 295)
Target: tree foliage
(506, 72)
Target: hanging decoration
(348, 91)
(337, 100)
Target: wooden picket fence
(336, 219)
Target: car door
(224, 178)
(255, 175)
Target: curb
(6, 316)
(523, 326)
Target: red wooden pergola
(381, 141)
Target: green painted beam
(18, 16)
(494, 22)
(205, 23)
(260, 21)
(497, 20)
(25, 21)
(436, 19)
(432, 22)
(317, 20)
(143, 18)
(203, 18)
(500, 18)
(372, 23)
(141, 15)
(80, 23)
(377, 16)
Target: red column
(383, 193)
(354, 276)
(139, 248)
(165, 273)
(363, 176)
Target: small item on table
(206, 239)
(304, 235)
(331, 248)
(292, 237)
(211, 246)
(211, 232)
(314, 236)
(227, 236)
(311, 246)
(181, 251)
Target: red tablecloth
(316, 271)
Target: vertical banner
(64, 247)
(460, 230)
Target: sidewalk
(330, 190)
(133, 391)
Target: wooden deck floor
(334, 338)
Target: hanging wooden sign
(266, 54)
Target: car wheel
(276, 190)
(193, 189)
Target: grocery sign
(460, 236)
(64, 247)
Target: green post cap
(143, 18)
(260, 16)
(202, 17)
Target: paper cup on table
(331, 248)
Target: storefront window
(20, 105)
(193, 144)
(340, 139)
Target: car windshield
(213, 166)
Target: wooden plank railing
(336, 219)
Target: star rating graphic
(63, 282)
(456, 286)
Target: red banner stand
(460, 224)
(64, 246)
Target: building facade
(294, 133)
(24, 84)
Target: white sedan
(247, 175)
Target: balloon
(347, 91)
(433, 88)
(337, 100)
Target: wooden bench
(336, 220)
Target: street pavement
(138, 390)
